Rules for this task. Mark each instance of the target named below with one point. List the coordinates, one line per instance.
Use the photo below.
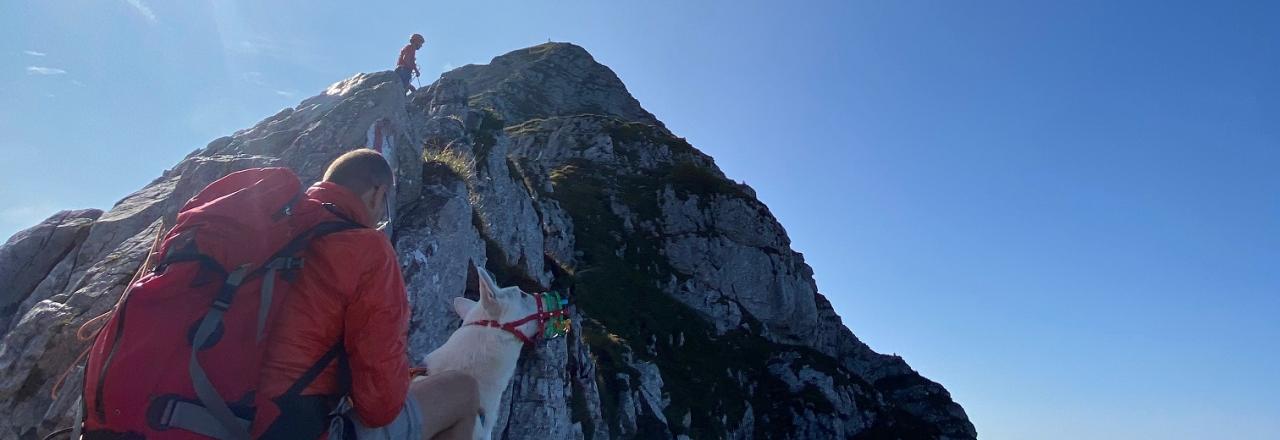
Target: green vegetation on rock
(618, 289)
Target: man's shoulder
(364, 242)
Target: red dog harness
(552, 316)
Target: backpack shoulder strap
(231, 427)
(287, 260)
(336, 352)
(284, 259)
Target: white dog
(488, 343)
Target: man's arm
(416, 72)
(376, 334)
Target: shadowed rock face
(693, 316)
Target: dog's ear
(488, 294)
(463, 306)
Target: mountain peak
(550, 79)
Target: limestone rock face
(693, 317)
(29, 256)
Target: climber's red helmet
(416, 39)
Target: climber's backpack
(179, 358)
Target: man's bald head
(360, 171)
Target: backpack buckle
(286, 263)
(221, 304)
(166, 406)
(172, 411)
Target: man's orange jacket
(350, 290)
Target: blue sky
(1065, 212)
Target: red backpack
(180, 355)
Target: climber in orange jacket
(350, 302)
(407, 64)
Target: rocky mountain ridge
(693, 316)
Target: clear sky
(1068, 213)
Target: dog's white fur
(486, 353)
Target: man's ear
(463, 306)
(373, 198)
(367, 199)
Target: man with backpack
(352, 294)
(407, 64)
(290, 314)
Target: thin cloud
(34, 53)
(269, 47)
(254, 78)
(143, 9)
(258, 45)
(40, 70)
(77, 83)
